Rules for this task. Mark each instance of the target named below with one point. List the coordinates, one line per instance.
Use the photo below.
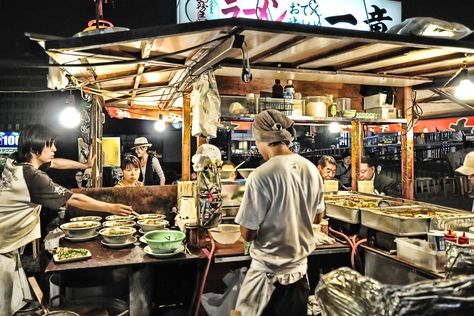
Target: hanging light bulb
(334, 127)
(160, 125)
(465, 88)
(70, 117)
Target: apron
(258, 286)
(14, 288)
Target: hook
(246, 74)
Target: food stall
(149, 73)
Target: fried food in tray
(352, 201)
(65, 254)
(415, 212)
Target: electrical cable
(367, 16)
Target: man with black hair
(344, 171)
(24, 189)
(382, 184)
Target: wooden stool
(421, 182)
(445, 182)
(463, 183)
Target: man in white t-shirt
(282, 199)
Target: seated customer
(131, 172)
(344, 171)
(382, 184)
(327, 167)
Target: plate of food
(65, 254)
(124, 218)
(86, 218)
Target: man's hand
(248, 234)
(120, 209)
(90, 160)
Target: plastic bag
(459, 259)
(431, 27)
(222, 304)
(206, 105)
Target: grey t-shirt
(281, 200)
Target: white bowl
(80, 229)
(148, 225)
(245, 172)
(86, 218)
(120, 218)
(151, 216)
(117, 235)
(225, 233)
(118, 224)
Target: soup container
(80, 229)
(117, 235)
(225, 233)
(164, 241)
(118, 224)
(148, 225)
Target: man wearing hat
(282, 199)
(467, 168)
(150, 169)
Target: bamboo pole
(186, 151)
(357, 151)
(408, 169)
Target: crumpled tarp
(346, 292)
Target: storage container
(316, 106)
(418, 252)
(384, 113)
(376, 101)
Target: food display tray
(349, 215)
(400, 226)
(57, 260)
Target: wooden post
(408, 169)
(186, 151)
(357, 151)
(96, 141)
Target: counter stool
(447, 184)
(421, 182)
(463, 183)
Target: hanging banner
(375, 15)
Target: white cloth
(206, 105)
(281, 200)
(15, 289)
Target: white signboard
(378, 15)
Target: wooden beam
(145, 48)
(186, 143)
(422, 62)
(96, 140)
(331, 53)
(429, 71)
(357, 150)
(408, 152)
(278, 49)
(373, 59)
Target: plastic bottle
(463, 240)
(324, 226)
(289, 91)
(277, 89)
(450, 236)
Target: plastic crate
(417, 251)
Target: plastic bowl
(117, 235)
(225, 233)
(148, 225)
(245, 172)
(164, 241)
(80, 229)
(151, 216)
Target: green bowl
(164, 241)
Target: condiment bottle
(463, 240)
(450, 236)
(277, 89)
(324, 226)
(289, 91)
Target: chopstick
(135, 213)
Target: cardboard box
(376, 101)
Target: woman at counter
(150, 168)
(131, 172)
(24, 189)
